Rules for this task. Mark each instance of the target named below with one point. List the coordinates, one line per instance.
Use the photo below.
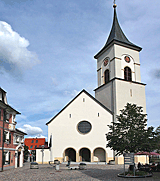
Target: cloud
(31, 131)
(39, 136)
(13, 50)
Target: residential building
(33, 144)
(11, 139)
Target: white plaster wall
(120, 53)
(101, 68)
(46, 156)
(64, 129)
(123, 95)
(116, 65)
(104, 95)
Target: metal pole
(42, 152)
(4, 115)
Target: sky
(47, 49)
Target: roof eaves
(74, 99)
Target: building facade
(33, 144)
(78, 131)
(11, 139)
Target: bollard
(57, 167)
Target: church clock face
(84, 127)
(127, 59)
(105, 63)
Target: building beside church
(78, 131)
(11, 138)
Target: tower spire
(117, 36)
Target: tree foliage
(129, 133)
(157, 132)
(26, 152)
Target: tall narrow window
(106, 76)
(127, 74)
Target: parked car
(34, 165)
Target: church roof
(117, 36)
(74, 99)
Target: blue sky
(47, 49)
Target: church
(78, 131)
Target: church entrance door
(70, 155)
(85, 154)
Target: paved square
(47, 173)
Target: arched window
(127, 74)
(106, 76)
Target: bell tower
(118, 72)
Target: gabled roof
(20, 132)
(75, 98)
(117, 36)
(6, 106)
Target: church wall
(46, 156)
(128, 92)
(134, 64)
(104, 95)
(64, 127)
(101, 68)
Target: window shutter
(9, 158)
(10, 138)
(4, 136)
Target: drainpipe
(4, 117)
(113, 111)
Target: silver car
(34, 165)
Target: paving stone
(94, 172)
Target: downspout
(4, 116)
(113, 113)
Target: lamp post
(42, 152)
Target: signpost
(129, 160)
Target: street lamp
(42, 152)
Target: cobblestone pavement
(48, 173)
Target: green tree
(129, 132)
(26, 152)
(157, 132)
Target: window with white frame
(6, 158)
(7, 117)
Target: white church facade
(78, 131)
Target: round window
(84, 127)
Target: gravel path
(48, 173)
